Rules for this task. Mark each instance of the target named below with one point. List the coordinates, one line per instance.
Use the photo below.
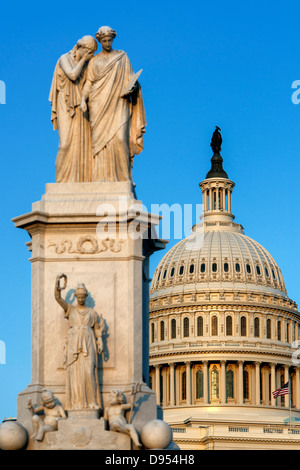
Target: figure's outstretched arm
(57, 292)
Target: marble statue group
(98, 109)
(84, 364)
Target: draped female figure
(74, 157)
(116, 112)
(83, 344)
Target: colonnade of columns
(217, 198)
(176, 383)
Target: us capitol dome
(222, 333)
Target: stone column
(224, 199)
(286, 379)
(257, 383)
(273, 384)
(188, 382)
(297, 389)
(177, 382)
(205, 199)
(240, 383)
(223, 382)
(210, 197)
(165, 387)
(267, 391)
(172, 384)
(205, 382)
(229, 201)
(157, 383)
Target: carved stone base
(82, 434)
(83, 414)
(96, 234)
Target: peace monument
(90, 244)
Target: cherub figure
(114, 415)
(52, 412)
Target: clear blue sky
(229, 64)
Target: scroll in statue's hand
(131, 86)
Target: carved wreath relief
(87, 244)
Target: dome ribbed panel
(218, 247)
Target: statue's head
(48, 398)
(81, 293)
(116, 397)
(105, 36)
(87, 44)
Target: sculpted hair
(88, 41)
(105, 31)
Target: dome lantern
(217, 187)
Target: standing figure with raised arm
(83, 344)
(74, 157)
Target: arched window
(152, 332)
(158, 277)
(258, 270)
(202, 268)
(267, 272)
(237, 267)
(214, 267)
(199, 384)
(173, 328)
(273, 274)
(243, 326)
(248, 268)
(229, 384)
(200, 326)
(226, 267)
(294, 332)
(192, 267)
(246, 384)
(183, 386)
(165, 273)
(214, 326)
(279, 330)
(181, 269)
(214, 384)
(229, 325)
(162, 330)
(186, 327)
(268, 328)
(256, 327)
(172, 272)
(287, 334)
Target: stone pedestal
(82, 434)
(98, 234)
